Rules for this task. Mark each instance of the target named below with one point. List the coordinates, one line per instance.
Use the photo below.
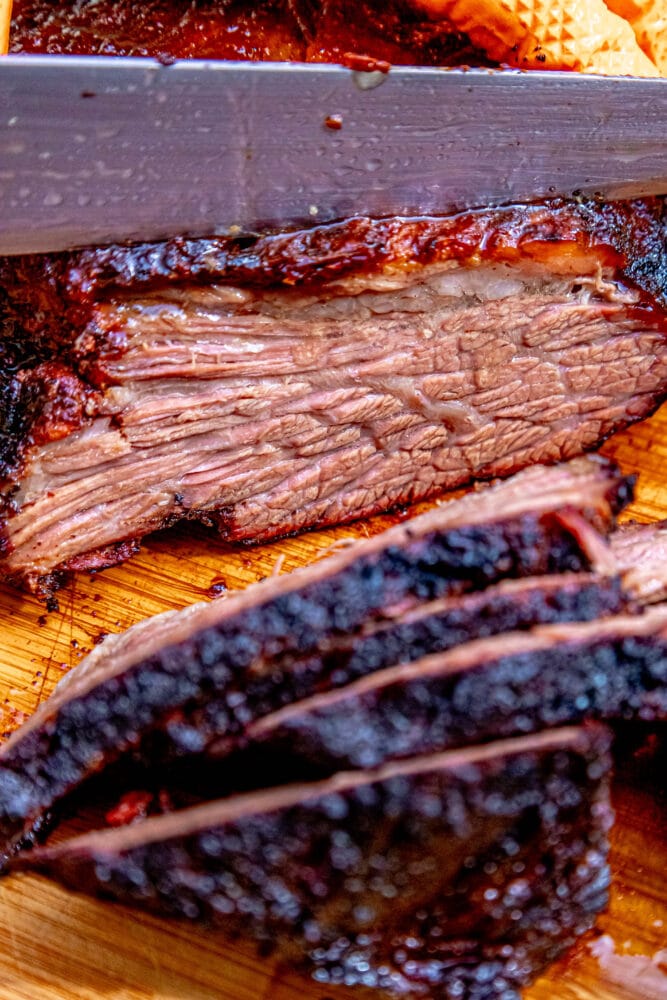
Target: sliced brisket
(379, 845)
(431, 627)
(268, 383)
(265, 385)
(210, 670)
(453, 875)
(510, 684)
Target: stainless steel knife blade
(98, 150)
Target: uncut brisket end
(490, 688)
(166, 670)
(268, 384)
(458, 874)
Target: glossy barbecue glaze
(313, 30)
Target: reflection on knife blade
(203, 147)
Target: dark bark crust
(615, 677)
(218, 666)
(458, 873)
(464, 878)
(294, 679)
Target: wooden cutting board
(57, 946)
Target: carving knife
(99, 150)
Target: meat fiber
(267, 384)
(208, 671)
(453, 875)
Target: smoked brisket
(383, 791)
(451, 875)
(267, 384)
(640, 551)
(210, 670)
(360, 763)
(485, 689)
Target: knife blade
(98, 150)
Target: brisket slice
(226, 718)
(490, 688)
(211, 669)
(268, 384)
(451, 875)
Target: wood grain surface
(57, 946)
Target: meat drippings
(640, 976)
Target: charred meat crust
(489, 689)
(260, 691)
(15, 421)
(221, 654)
(225, 666)
(433, 627)
(467, 869)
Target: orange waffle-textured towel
(5, 20)
(649, 22)
(582, 35)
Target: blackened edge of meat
(48, 300)
(14, 427)
(408, 638)
(643, 248)
(48, 297)
(472, 871)
(47, 585)
(40, 401)
(49, 758)
(568, 680)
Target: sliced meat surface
(641, 553)
(461, 873)
(268, 385)
(231, 659)
(431, 627)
